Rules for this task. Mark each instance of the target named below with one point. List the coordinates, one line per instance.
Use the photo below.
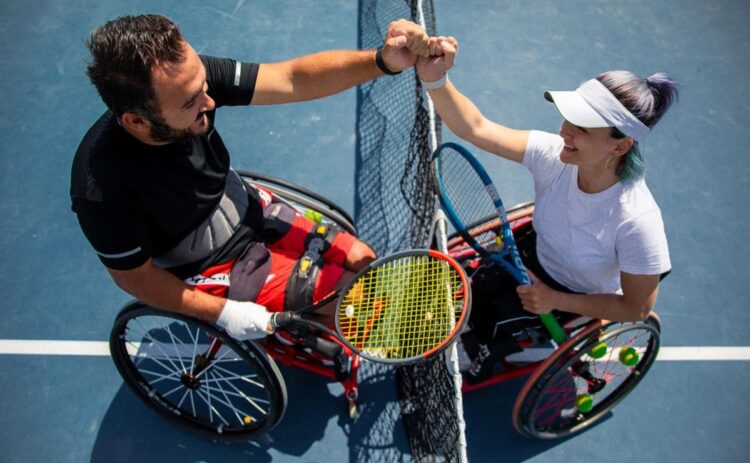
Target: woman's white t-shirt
(585, 240)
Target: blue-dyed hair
(648, 100)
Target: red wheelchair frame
(575, 386)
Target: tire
(238, 395)
(585, 378)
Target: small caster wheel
(353, 410)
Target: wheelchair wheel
(585, 378)
(196, 375)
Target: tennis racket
(470, 201)
(400, 309)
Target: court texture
(63, 400)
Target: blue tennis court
(64, 401)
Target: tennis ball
(599, 350)
(584, 403)
(248, 420)
(628, 356)
(315, 216)
(349, 311)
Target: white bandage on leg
(244, 320)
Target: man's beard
(165, 133)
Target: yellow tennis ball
(628, 356)
(599, 350)
(584, 403)
(248, 420)
(349, 311)
(315, 216)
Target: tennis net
(397, 131)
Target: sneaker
(486, 358)
(482, 366)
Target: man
(154, 194)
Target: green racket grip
(554, 328)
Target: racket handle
(282, 319)
(554, 328)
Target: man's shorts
(263, 272)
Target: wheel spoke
(165, 367)
(184, 396)
(245, 378)
(254, 401)
(214, 362)
(177, 388)
(174, 345)
(228, 402)
(192, 401)
(173, 376)
(158, 344)
(212, 410)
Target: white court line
(101, 348)
(46, 347)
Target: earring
(607, 163)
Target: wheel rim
(167, 361)
(551, 407)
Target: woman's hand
(537, 297)
(443, 52)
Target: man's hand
(245, 320)
(537, 297)
(442, 57)
(405, 41)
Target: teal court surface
(63, 400)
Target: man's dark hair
(124, 52)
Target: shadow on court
(130, 431)
(489, 426)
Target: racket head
(404, 308)
(468, 196)
(474, 208)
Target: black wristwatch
(381, 64)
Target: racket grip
(554, 328)
(282, 319)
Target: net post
(440, 227)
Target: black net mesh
(394, 205)
(394, 197)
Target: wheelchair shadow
(489, 426)
(131, 431)
(376, 434)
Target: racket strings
(470, 199)
(403, 309)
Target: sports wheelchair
(195, 375)
(572, 385)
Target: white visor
(591, 105)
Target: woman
(600, 243)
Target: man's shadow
(131, 431)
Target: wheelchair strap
(300, 287)
(321, 237)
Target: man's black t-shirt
(135, 201)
